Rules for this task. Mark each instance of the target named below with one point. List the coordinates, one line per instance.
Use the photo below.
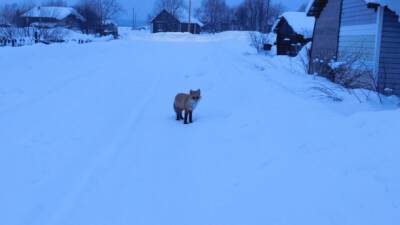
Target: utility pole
(268, 5)
(190, 15)
(133, 19)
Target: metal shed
(366, 28)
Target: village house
(292, 31)
(166, 22)
(109, 27)
(366, 29)
(46, 16)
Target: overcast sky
(143, 7)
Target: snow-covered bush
(257, 40)
(354, 73)
(304, 57)
(51, 35)
(324, 91)
(15, 36)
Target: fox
(186, 103)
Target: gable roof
(393, 5)
(164, 12)
(54, 12)
(182, 18)
(299, 21)
(315, 7)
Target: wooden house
(292, 31)
(109, 27)
(166, 22)
(367, 29)
(53, 16)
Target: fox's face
(195, 95)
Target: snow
(110, 22)
(56, 12)
(299, 21)
(394, 5)
(88, 136)
(184, 18)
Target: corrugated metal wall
(358, 32)
(389, 64)
(325, 39)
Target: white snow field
(88, 136)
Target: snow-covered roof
(184, 18)
(55, 12)
(299, 21)
(393, 5)
(309, 6)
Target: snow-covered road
(88, 137)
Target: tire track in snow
(55, 89)
(103, 160)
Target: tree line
(217, 15)
(96, 12)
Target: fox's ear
(199, 91)
(191, 91)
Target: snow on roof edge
(299, 21)
(183, 18)
(393, 5)
(309, 5)
(56, 12)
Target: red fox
(187, 103)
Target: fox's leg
(190, 116)
(180, 115)
(186, 117)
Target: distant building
(166, 22)
(109, 27)
(368, 29)
(45, 16)
(292, 30)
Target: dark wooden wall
(288, 42)
(194, 28)
(326, 37)
(165, 22)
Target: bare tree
(257, 15)
(55, 3)
(174, 7)
(353, 71)
(257, 40)
(215, 14)
(103, 9)
(88, 10)
(9, 14)
(108, 9)
(97, 13)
